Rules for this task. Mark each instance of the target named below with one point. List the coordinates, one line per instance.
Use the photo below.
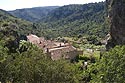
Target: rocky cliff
(116, 14)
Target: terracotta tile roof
(54, 48)
(33, 39)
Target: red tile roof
(56, 49)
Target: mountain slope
(7, 20)
(32, 14)
(13, 29)
(76, 12)
(74, 20)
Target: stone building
(56, 50)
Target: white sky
(18, 4)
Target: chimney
(60, 44)
(47, 50)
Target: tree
(33, 66)
(111, 68)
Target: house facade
(56, 50)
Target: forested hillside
(33, 14)
(21, 61)
(12, 30)
(74, 20)
(87, 20)
(24, 62)
(76, 12)
(9, 21)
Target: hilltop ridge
(33, 14)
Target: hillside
(74, 20)
(71, 20)
(76, 12)
(21, 26)
(73, 54)
(32, 14)
(22, 61)
(13, 29)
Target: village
(54, 49)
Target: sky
(18, 4)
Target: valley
(76, 43)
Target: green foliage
(23, 62)
(70, 20)
(7, 21)
(33, 14)
(113, 66)
(73, 20)
(109, 69)
(33, 66)
(24, 46)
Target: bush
(33, 66)
(111, 68)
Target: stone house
(63, 52)
(56, 50)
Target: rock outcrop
(116, 14)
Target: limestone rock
(116, 11)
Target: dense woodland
(77, 20)
(23, 62)
(71, 21)
(33, 14)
